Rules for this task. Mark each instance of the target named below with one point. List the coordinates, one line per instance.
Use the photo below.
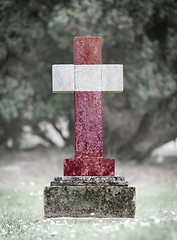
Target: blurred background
(139, 125)
(141, 35)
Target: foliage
(35, 34)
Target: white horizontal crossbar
(70, 78)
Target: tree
(141, 35)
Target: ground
(24, 174)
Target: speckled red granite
(88, 119)
(88, 125)
(88, 105)
(87, 50)
(89, 167)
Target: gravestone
(89, 187)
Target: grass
(21, 216)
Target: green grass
(21, 216)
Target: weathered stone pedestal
(89, 196)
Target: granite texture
(89, 167)
(87, 50)
(87, 109)
(88, 125)
(89, 197)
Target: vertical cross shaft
(88, 159)
(88, 105)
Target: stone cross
(87, 78)
(88, 187)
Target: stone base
(89, 197)
(89, 167)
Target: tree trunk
(135, 137)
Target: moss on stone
(80, 201)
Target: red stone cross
(88, 160)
